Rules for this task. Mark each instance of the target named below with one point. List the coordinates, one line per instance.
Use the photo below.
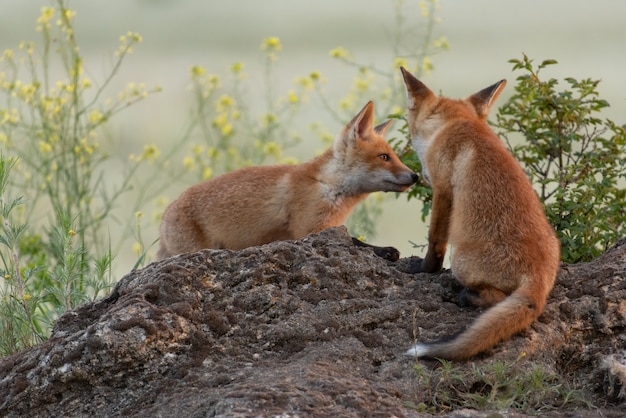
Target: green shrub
(575, 158)
(55, 245)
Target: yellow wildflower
(227, 129)
(69, 14)
(45, 147)
(400, 62)
(47, 13)
(224, 102)
(150, 152)
(361, 84)
(339, 52)
(268, 119)
(292, 97)
(272, 148)
(347, 103)
(305, 82)
(289, 161)
(196, 71)
(220, 120)
(197, 149)
(236, 68)
(441, 43)
(188, 163)
(134, 37)
(13, 117)
(427, 65)
(95, 117)
(397, 110)
(8, 54)
(137, 248)
(424, 8)
(271, 44)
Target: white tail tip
(418, 350)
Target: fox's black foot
(485, 298)
(468, 298)
(388, 253)
(415, 265)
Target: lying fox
(505, 251)
(257, 205)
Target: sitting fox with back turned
(258, 205)
(505, 251)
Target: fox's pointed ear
(483, 100)
(362, 124)
(382, 128)
(415, 89)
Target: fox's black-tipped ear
(483, 100)
(383, 127)
(361, 125)
(415, 89)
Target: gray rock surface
(315, 327)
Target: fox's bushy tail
(503, 320)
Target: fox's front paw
(388, 253)
(416, 265)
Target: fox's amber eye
(384, 157)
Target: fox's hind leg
(482, 297)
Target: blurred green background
(586, 37)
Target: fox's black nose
(414, 177)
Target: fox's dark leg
(482, 297)
(437, 235)
(388, 253)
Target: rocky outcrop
(315, 327)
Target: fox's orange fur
(257, 205)
(504, 250)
